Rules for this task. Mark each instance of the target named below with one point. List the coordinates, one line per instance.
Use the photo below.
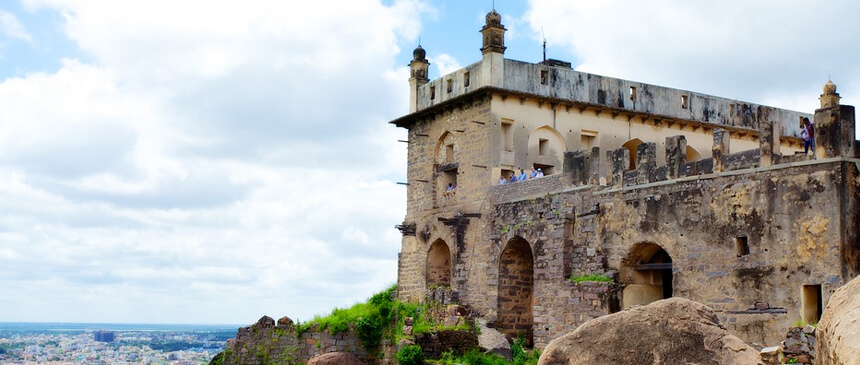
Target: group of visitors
(807, 132)
(536, 173)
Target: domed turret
(418, 67)
(494, 34)
(829, 87)
(829, 98)
(419, 54)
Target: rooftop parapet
(564, 85)
(611, 170)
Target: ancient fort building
(669, 192)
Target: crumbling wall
(785, 218)
(267, 342)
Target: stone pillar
(834, 126)
(646, 156)
(577, 164)
(595, 166)
(619, 160)
(768, 142)
(676, 155)
(720, 148)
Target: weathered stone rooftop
(574, 89)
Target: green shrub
(370, 318)
(477, 357)
(410, 355)
(370, 330)
(519, 354)
(590, 277)
(218, 359)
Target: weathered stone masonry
(668, 192)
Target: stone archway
(516, 288)
(438, 265)
(633, 146)
(647, 275)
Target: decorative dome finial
(830, 87)
(829, 98)
(494, 19)
(419, 54)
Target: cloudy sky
(191, 161)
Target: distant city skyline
(214, 162)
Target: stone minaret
(419, 67)
(834, 126)
(493, 50)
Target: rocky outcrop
(671, 331)
(335, 358)
(839, 328)
(493, 341)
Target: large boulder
(670, 331)
(335, 358)
(493, 341)
(838, 331)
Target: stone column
(720, 148)
(619, 160)
(595, 166)
(576, 163)
(768, 142)
(646, 156)
(676, 155)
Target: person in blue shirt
(523, 176)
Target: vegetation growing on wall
(410, 355)
(371, 318)
(576, 279)
(520, 356)
(383, 317)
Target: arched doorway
(516, 286)
(647, 275)
(633, 146)
(438, 265)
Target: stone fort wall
(782, 206)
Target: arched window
(546, 150)
(446, 166)
(446, 149)
(438, 265)
(633, 146)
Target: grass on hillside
(382, 316)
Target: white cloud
(235, 159)
(445, 63)
(12, 27)
(751, 50)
